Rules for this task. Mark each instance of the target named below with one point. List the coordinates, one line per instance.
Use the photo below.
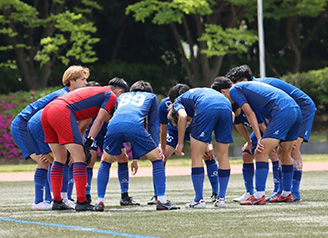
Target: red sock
(56, 179)
(80, 179)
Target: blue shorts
(172, 137)
(284, 125)
(139, 138)
(21, 136)
(219, 120)
(37, 134)
(306, 124)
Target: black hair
(237, 74)
(177, 90)
(221, 83)
(93, 84)
(141, 86)
(119, 83)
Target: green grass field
(308, 218)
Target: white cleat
(69, 203)
(199, 205)
(220, 203)
(42, 206)
(244, 197)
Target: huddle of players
(279, 114)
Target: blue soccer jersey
(19, 126)
(210, 111)
(302, 99)
(127, 124)
(271, 103)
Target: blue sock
(197, 176)
(224, 175)
(159, 177)
(65, 179)
(261, 175)
(123, 176)
(280, 183)
(102, 178)
(296, 181)
(48, 176)
(90, 174)
(70, 183)
(287, 177)
(248, 174)
(47, 190)
(40, 178)
(275, 174)
(212, 174)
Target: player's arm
(252, 119)
(153, 121)
(182, 124)
(83, 125)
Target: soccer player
(284, 116)
(123, 171)
(248, 156)
(307, 107)
(169, 140)
(210, 111)
(139, 103)
(74, 77)
(60, 124)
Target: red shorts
(60, 125)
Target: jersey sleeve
(109, 101)
(178, 105)
(153, 120)
(237, 96)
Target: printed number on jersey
(136, 100)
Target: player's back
(134, 107)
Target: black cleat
(214, 196)
(153, 201)
(84, 206)
(127, 201)
(99, 207)
(59, 205)
(166, 206)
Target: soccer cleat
(272, 195)
(69, 203)
(253, 201)
(60, 205)
(280, 198)
(297, 197)
(152, 201)
(88, 198)
(84, 206)
(199, 205)
(166, 206)
(42, 206)
(99, 207)
(220, 203)
(242, 198)
(127, 201)
(214, 196)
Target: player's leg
(212, 174)
(298, 168)
(276, 174)
(123, 178)
(90, 166)
(198, 149)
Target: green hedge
(315, 84)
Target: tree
(300, 20)
(35, 34)
(204, 31)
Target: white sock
(258, 195)
(285, 193)
(101, 200)
(64, 195)
(162, 199)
